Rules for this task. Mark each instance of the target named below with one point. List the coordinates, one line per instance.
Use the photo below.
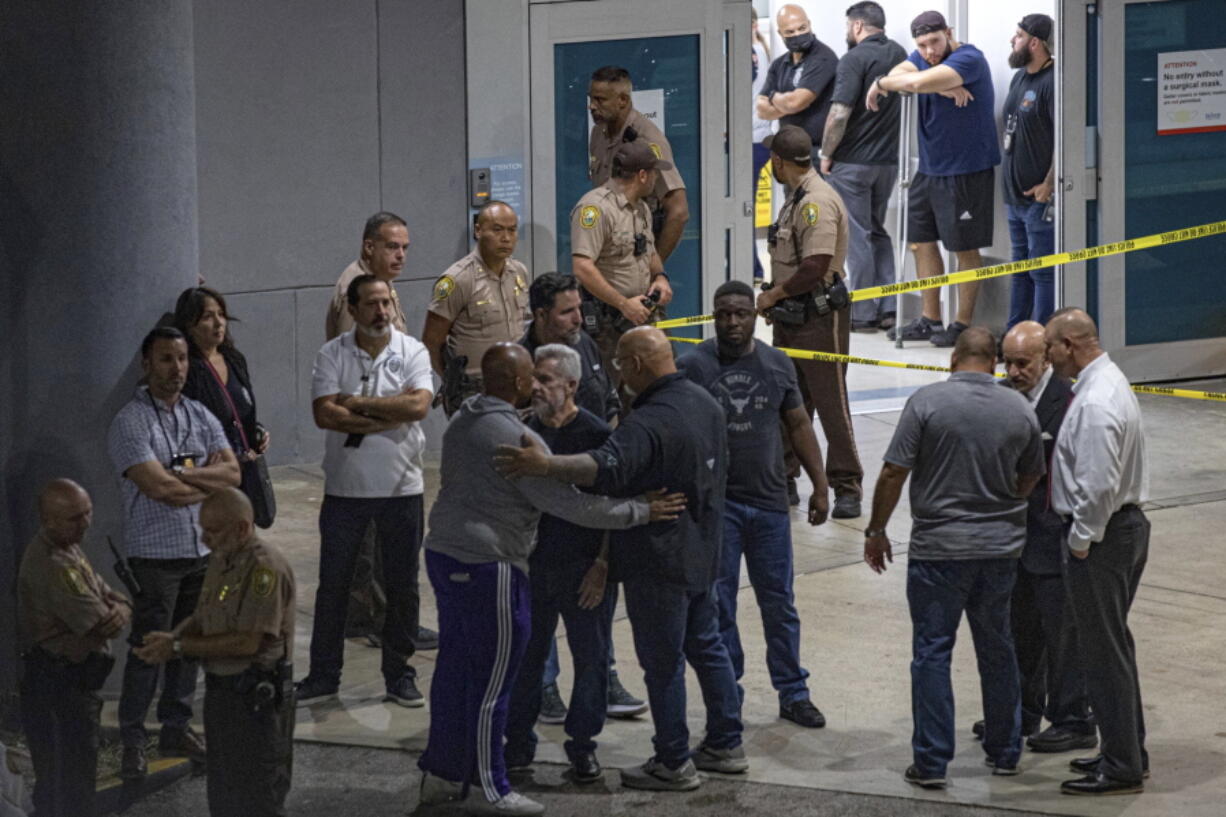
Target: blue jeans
(555, 592)
(761, 155)
(1033, 294)
(673, 624)
(552, 668)
(765, 539)
(938, 592)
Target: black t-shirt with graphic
(753, 390)
(1031, 101)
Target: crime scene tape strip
(1009, 268)
(830, 357)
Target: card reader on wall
(478, 186)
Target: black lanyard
(158, 413)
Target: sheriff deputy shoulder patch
(810, 213)
(588, 216)
(443, 287)
(263, 580)
(75, 582)
(655, 149)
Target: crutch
(906, 115)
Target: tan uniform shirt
(816, 224)
(483, 308)
(338, 319)
(61, 599)
(252, 590)
(601, 149)
(602, 227)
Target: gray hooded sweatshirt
(481, 516)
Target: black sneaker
(133, 766)
(793, 493)
(846, 507)
(404, 692)
(311, 690)
(181, 743)
(804, 713)
(426, 639)
(887, 320)
(925, 781)
(919, 329)
(867, 327)
(621, 704)
(1058, 739)
(1000, 770)
(552, 708)
(948, 336)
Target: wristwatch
(870, 533)
(177, 646)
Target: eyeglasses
(617, 361)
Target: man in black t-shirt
(859, 157)
(798, 84)
(567, 576)
(1030, 166)
(756, 385)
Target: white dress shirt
(1099, 464)
(386, 464)
(1034, 395)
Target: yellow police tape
(830, 357)
(997, 270)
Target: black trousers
(1045, 638)
(250, 753)
(1102, 587)
(60, 719)
(367, 601)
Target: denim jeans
(343, 522)
(169, 591)
(765, 539)
(938, 592)
(1033, 294)
(553, 669)
(673, 624)
(555, 592)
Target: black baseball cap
(1037, 25)
(928, 22)
(634, 156)
(791, 143)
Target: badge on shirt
(74, 581)
(520, 285)
(395, 364)
(443, 287)
(263, 580)
(588, 216)
(655, 149)
(810, 213)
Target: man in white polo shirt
(371, 387)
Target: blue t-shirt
(952, 140)
(559, 542)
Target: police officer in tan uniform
(68, 615)
(615, 121)
(809, 306)
(613, 251)
(243, 630)
(385, 242)
(480, 300)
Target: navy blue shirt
(559, 542)
(753, 391)
(675, 439)
(954, 141)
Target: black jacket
(675, 438)
(596, 392)
(203, 387)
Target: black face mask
(800, 43)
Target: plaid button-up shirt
(148, 430)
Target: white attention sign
(650, 104)
(1192, 91)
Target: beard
(944, 55)
(1018, 59)
(373, 332)
(851, 43)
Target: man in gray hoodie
(482, 531)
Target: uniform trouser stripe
(502, 657)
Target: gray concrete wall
(306, 124)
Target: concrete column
(97, 237)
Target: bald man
(480, 300)
(482, 532)
(974, 452)
(676, 436)
(68, 616)
(799, 84)
(1099, 478)
(243, 632)
(1044, 632)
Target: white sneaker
(655, 776)
(510, 803)
(435, 790)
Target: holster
(455, 381)
(265, 689)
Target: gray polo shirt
(965, 441)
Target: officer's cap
(791, 143)
(634, 156)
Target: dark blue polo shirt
(559, 542)
(675, 439)
(955, 141)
